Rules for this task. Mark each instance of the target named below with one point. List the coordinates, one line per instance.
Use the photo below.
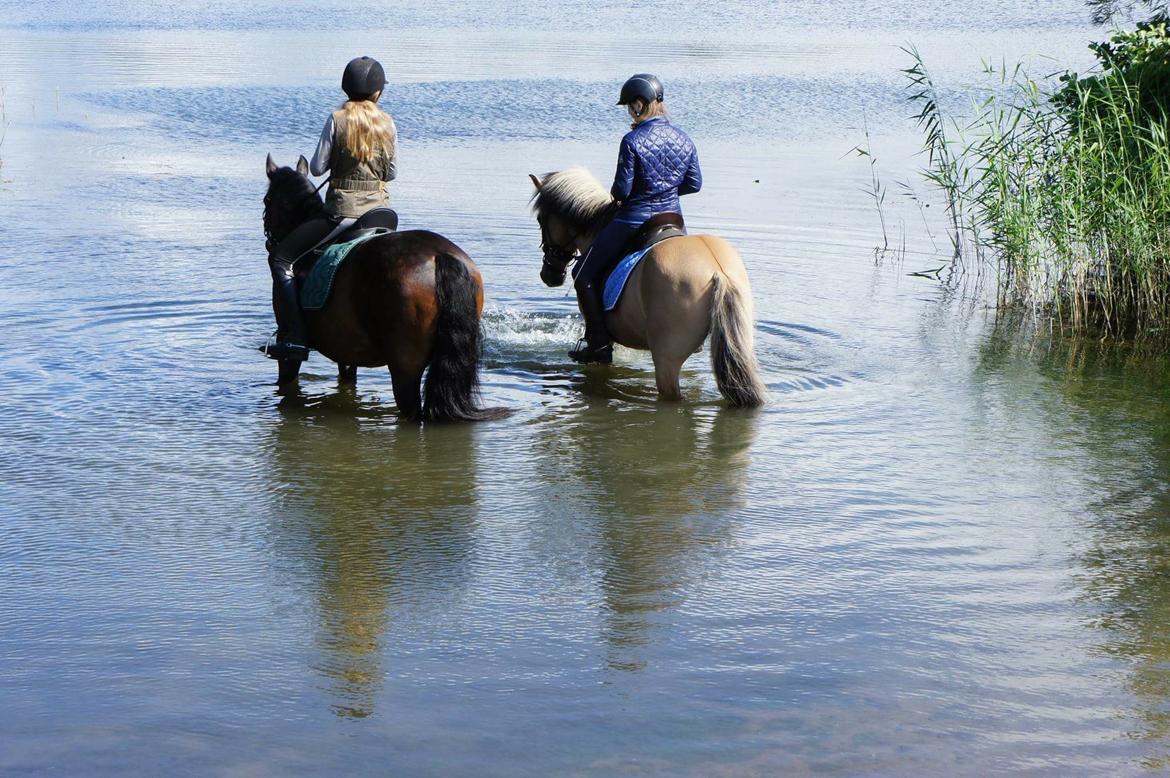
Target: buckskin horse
(682, 290)
(409, 300)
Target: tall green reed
(1064, 191)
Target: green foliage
(1066, 193)
(1137, 60)
(1104, 11)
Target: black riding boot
(290, 327)
(596, 346)
(291, 339)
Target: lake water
(942, 548)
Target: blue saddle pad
(616, 283)
(319, 282)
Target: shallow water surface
(940, 549)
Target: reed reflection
(1121, 393)
(1122, 419)
(376, 517)
(661, 489)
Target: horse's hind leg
(407, 395)
(666, 370)
(672, 339)
(346, 374)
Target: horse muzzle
(552, 275)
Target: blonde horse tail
(733, 353)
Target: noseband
(556, 258)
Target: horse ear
(303, 166)
(270, 166)
(536, 182)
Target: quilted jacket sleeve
(623, 180)
(693, 178)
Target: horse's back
(385, 300)
(717, 251)
(680, 270)
(409, 247)
(667, 301)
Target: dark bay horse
(683, 290)
(408, 300)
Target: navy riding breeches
(606, 251)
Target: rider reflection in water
(359, 146)
(657, 162)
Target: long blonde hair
(366, 130)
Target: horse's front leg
(346, 374)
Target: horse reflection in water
(363, 514)
(660, 521)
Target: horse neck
(589, 232)
(315, 211)
(304, 216)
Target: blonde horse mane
(575, 195)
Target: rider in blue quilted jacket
(657, 162)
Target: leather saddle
(655, 230)
(371, 222)
(376, 219)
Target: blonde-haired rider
(359, 148)
(358, 145)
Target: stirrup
(279, 349)
(586, 354)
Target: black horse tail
(452, 384)
(733, 354)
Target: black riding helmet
(641, 85)
(363, 76)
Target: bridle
(557, 258)
(270, 241)
(269, 238)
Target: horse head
(291, 200)
(571, 207)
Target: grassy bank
(1063, 185)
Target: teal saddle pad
(318, 283)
